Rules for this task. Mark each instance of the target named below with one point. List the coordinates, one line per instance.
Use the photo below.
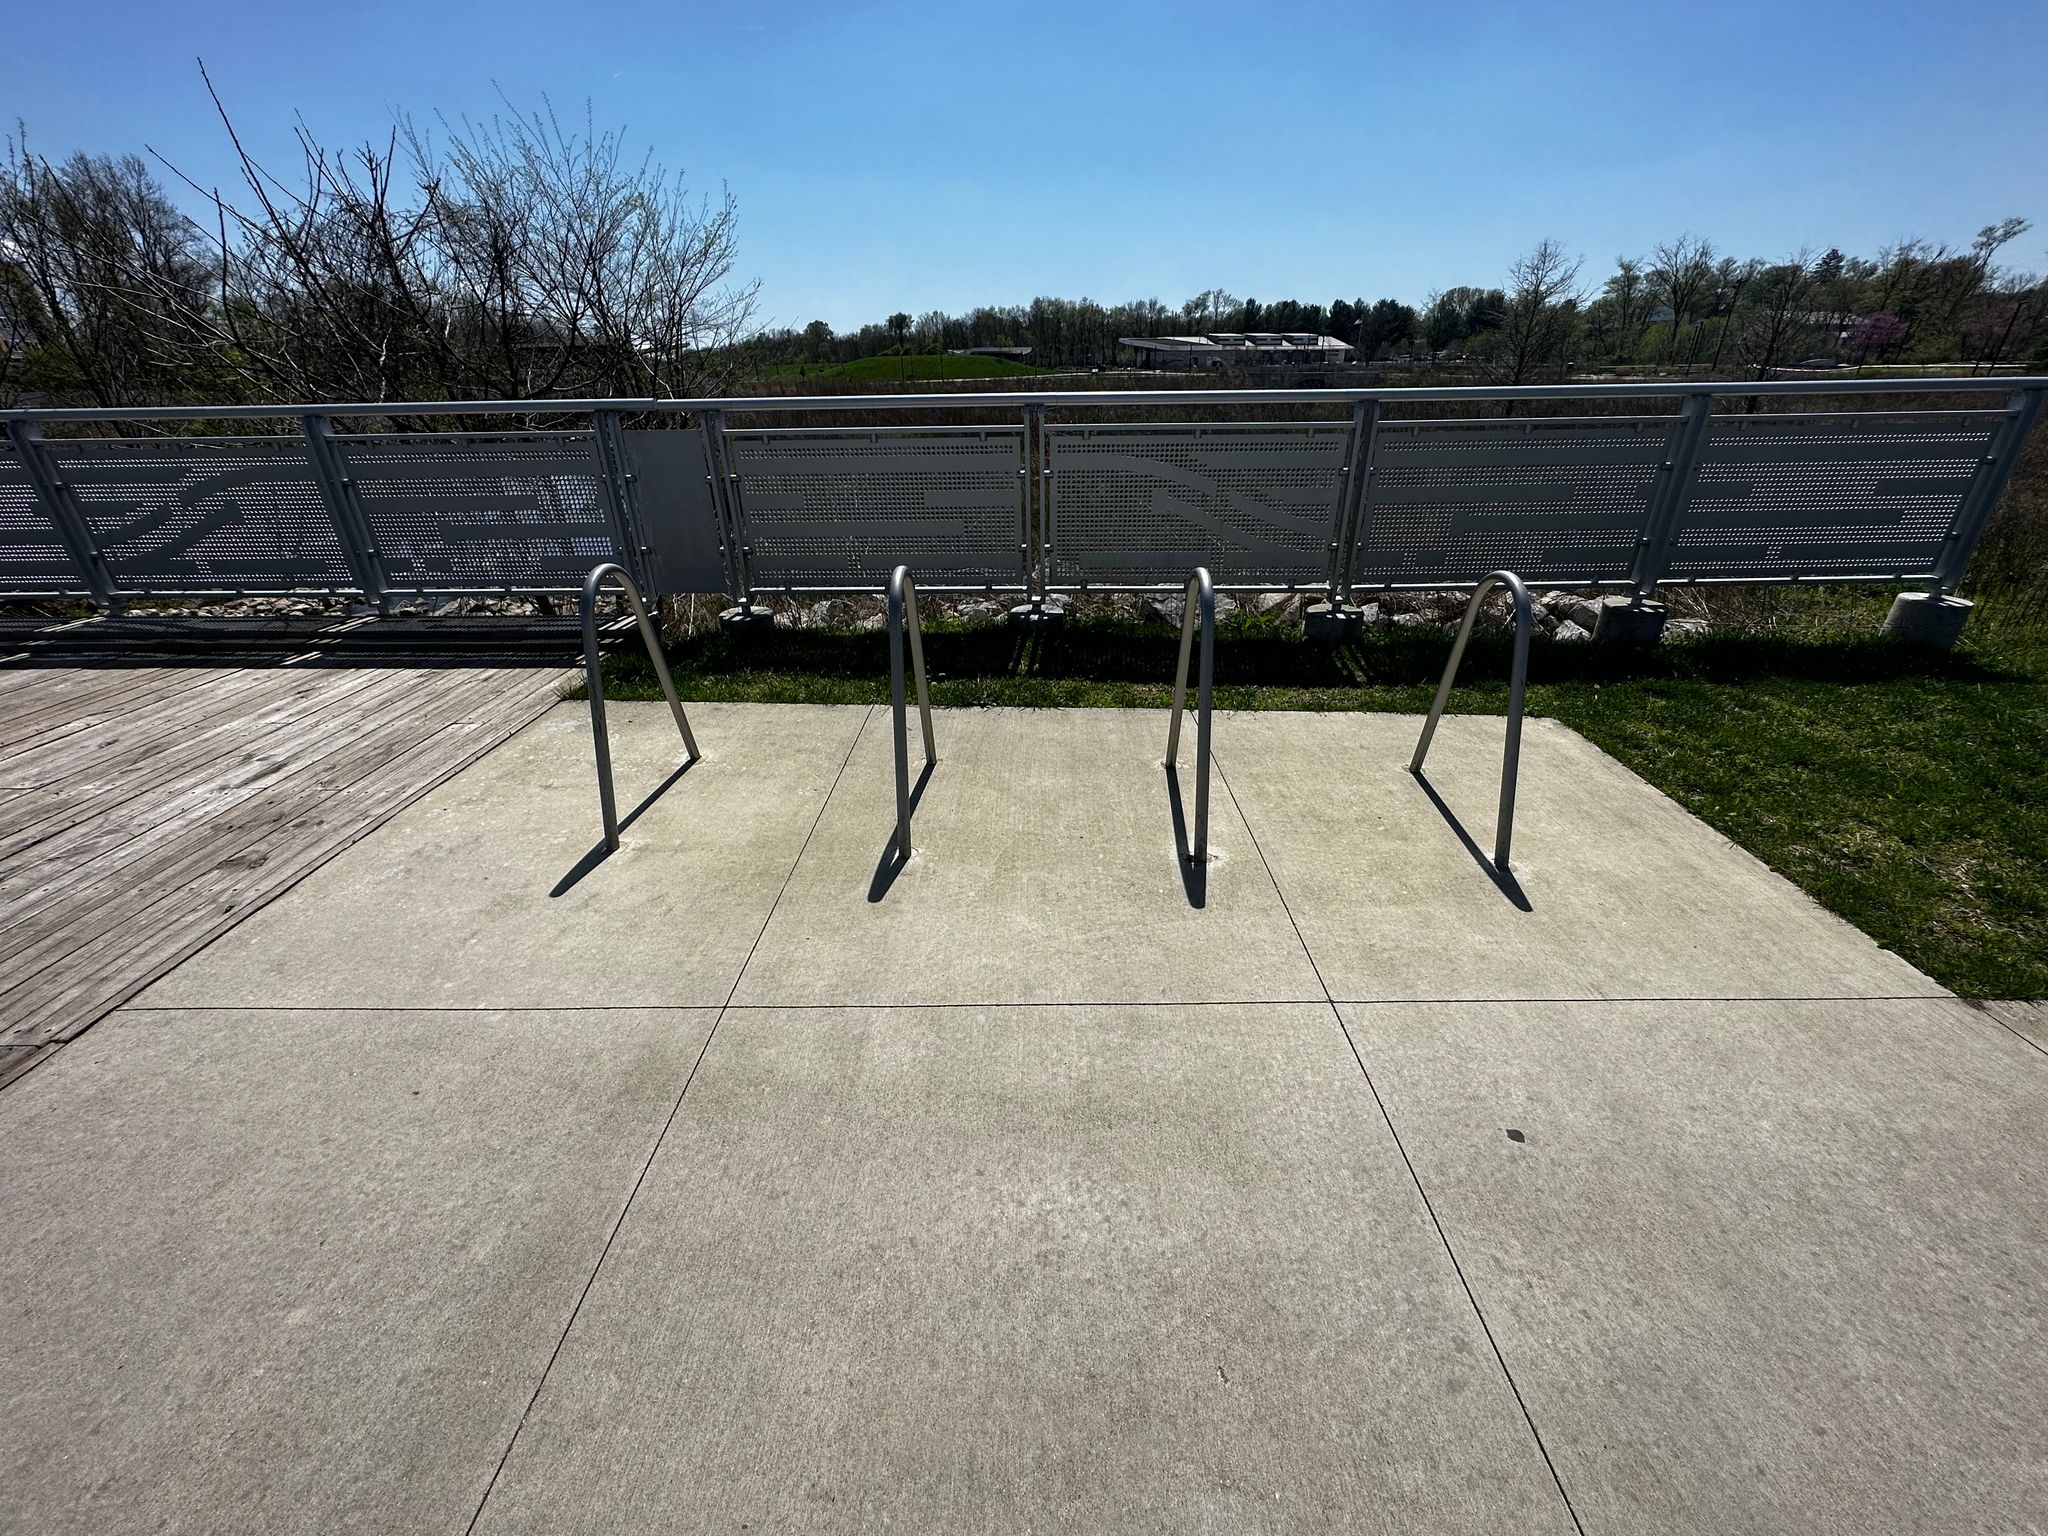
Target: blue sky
(921, 156)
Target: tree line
(1684, 304)
(526, 258)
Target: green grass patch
(1906, 791)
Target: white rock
(1569, 630)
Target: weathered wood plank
(145, 769)
(208, 810)
(47, 716)
(157, 838)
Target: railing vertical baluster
(338, 494)
(62, 509)
(1993, 470)
(1027, 536)
(1042, 481)
(622, 499)
(1358, 474)
(725, 499)
(1676, 478)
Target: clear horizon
(894, 157)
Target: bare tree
(1540, 314)
(96, 267)
(1779, 318)
(1628, 293)
(517, 260)
(2013, 305)
(1682, 276)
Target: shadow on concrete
(1509, 886)
(599, 853)
(891, 863)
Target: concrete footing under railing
(1927, 618)
(1039, 614)
(1622, 621)
(1332, 621)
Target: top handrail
(1648, 390)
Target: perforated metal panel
(1553, 501)
(216, 515)
(1144, 505)
(840, 508)
(32, 558)
(1821, 496)
(459, 512)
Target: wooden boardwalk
(146, 810)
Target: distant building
(1015, 354)
(1239, 349)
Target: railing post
(1357, 493)
(1675, 480)
(338, 495)
(1974, 514)
(1027, 533)
(725, 499)
(1043, 484)
(62, 509)
(622, 498)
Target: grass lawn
(1906, 791)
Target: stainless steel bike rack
(1504, 824)
(594, 672)
(903, 616)
(1200, 606)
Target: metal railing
(1518, 680)
(903, 624)
(1033, 492)
(1200, 608)
(593, 671)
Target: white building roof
(1239, 341)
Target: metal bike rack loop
(1200, 606)
(902, 617)
(594, 672)
(1504, 823)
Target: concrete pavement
(737, 1181)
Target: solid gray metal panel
(211, 515)
(1814, 497)
(845, 507)
(523, 512)
(1552, 501)
(1257, 505)
(677, 514)
(33, 559)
